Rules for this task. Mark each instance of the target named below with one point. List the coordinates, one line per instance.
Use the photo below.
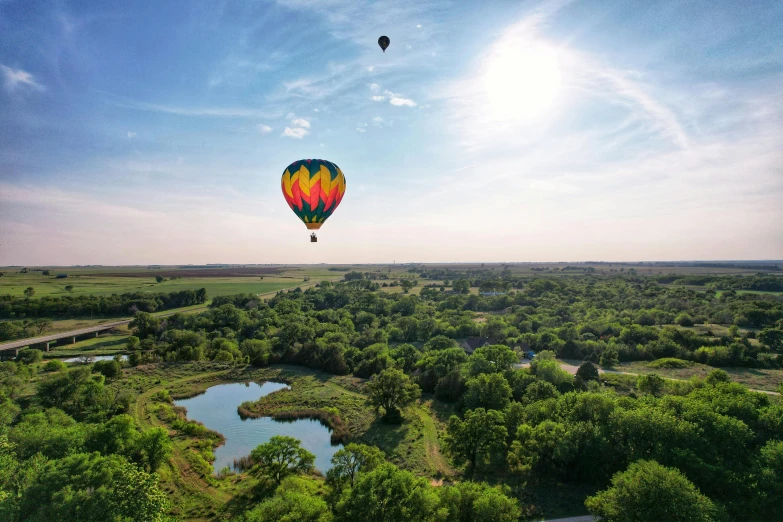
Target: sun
(522, 82)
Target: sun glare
(522, 82)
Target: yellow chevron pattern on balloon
(287, 183)
(341, 183)
(315, 181)
(326, 183)
(304, 180)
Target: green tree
(388, 494)
(407, 284)
(716, 376)
(390, 390)
(30, 356)
(110, 369)
(649, 492)
(610, 357)
(684, 320)
(469, 501)
(492, 359)
(651, 383)
(144, 325)
(69, 288)
(29, 292)
(41, 325)
(587, 372)
(772, 337)
(160, 279)
(490, 391)
(54, 365)
(350, 460)
(461, 286)
(93, 487)
(477, 438)
(295, 500)
(155, 445)
(282, 456)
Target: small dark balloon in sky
(384, 41)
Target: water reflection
(217, 410)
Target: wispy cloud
(295, 132)
(131, 135)
(264, 129)
(402, 102)
(300, 122)
(17, 79)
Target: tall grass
(340, 432)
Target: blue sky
(157, 132)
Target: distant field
(102, 283)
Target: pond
(95, 358)
(217, 410)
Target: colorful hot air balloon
(313, 188)
(384, 42)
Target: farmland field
(114, 280)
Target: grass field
(755, 378)
(228, 279)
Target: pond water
(217, 410)
(95, 358)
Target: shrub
(55, 365)
(671, 363)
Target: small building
(471, 344)
(529, 354)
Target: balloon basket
(313, 239)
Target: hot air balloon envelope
(384, 42)
(313, 189)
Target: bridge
(12, 349)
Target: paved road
(20, 343)
(62, 335)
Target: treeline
(349, 327)
(761, 283)
(100, 306)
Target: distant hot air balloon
(313, 188)
(384, 42)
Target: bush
(610, 357)
(670, 363)
(30, 356)
(684, 320)
(55, 365)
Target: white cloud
(359, 129)
(17, 78)
(418, 26)
(377, 119)
(264, 129)
(300, 122)
(374, 87)
(378, 98)
(402, 102)
(131, 135)
(295, 132)
(197, 112)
